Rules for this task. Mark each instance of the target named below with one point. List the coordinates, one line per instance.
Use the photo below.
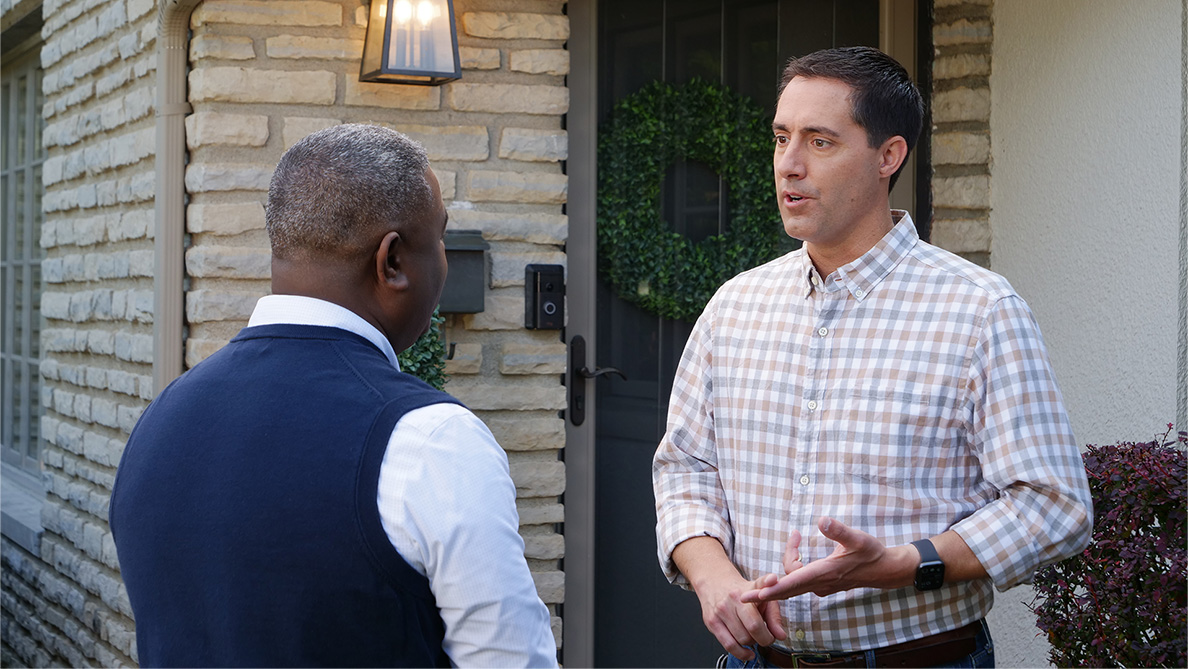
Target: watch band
(927, 550)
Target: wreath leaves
(647, 263)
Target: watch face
(930, 575)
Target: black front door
(640, 619)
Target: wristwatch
(930, 575)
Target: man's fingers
(803, 579)
(726, 638)
(792, 551)
(835, 530)
(756, 626)
(775, 621)
(765, 581)
(733, 617)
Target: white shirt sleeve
(448, 505)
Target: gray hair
(336, 189)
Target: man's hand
(719, 587)
(859, 560)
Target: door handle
(578, 373)
(601, 371)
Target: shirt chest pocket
(898, 435)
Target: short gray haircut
(336, 189)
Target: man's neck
(827, 257)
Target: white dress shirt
(448, 505)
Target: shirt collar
(862, 275)
(302, 310)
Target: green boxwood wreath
(647, 263)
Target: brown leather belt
(927, 652)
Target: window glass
(20, 255)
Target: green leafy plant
(1122, 602)
(425, 359)
(647, 263)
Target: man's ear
(891, 155)
(389, 265)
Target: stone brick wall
(261, 80)
(67, 605)
(962, 33)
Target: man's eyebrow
(821, 130)
(810, 130)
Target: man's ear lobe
(388, 261)
(893, 153)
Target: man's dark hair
(884, 101)
(339, 187)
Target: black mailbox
(466, 253)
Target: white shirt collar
(301, 310)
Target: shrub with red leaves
(1122, 602)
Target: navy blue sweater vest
(244, 510)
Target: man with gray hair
(296, 500)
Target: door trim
(898, 39)
(581, 248)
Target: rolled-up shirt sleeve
(690, 501)
(1022, 437)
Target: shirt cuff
(682, 523)
(1001, 542)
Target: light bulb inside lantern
(426, 12)
(404, 12)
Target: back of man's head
(337, 189)
(885, 102)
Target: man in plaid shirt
(865, 436)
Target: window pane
(38, 122)
(34, 430)
(38, 191)
(4, 231)
(18, 117)
(17, 396)
(19, 197)
(5, 401)
(6, 96)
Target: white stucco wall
(1086, 124)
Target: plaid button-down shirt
(907, 393)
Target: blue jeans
(983, 656)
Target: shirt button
(823, 331)
(816, 281)
(800, 635)
(812, 405)
(804, 480)
(859, 293)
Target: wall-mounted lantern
(411, 42)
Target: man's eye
(780, 140)
(820, 143)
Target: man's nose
(789, 163)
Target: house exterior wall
(66, 604)
(1086, 101)
(962, 36)
(263, 75)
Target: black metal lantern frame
(411, 42)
